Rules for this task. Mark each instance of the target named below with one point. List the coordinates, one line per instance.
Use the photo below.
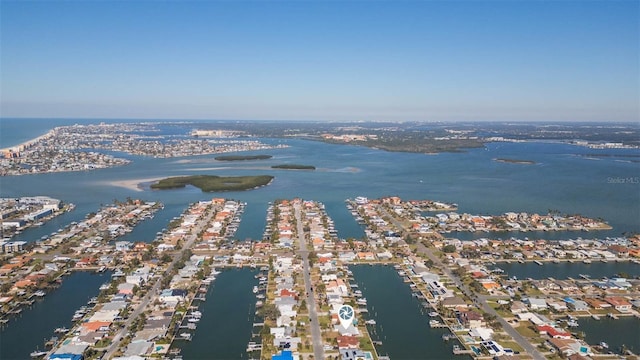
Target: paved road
(524, 343)
(316, 335)
(154, 290)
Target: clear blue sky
(364, 60)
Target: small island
(209, 183)
(515, 161)
(294, 167)
(242, 157)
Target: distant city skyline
(334, 61)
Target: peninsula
(209, 183)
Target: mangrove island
(242, 157)
(294, 167)
(515, 161)
(208, 183)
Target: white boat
(433, 314)
(370, 322)
(572, 323)
(40, 293)
(255, 289)
(38, 354)
(604, 345)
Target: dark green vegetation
(294, 167)
(409, 142)
(209, 183)
(516, 161)
(242, 157)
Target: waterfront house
(454, 302)
(346, 256)
(570, 347)
(557, 305)
(565, 285)
(597, 303)
(619, 303)
(138, 348)
(535, 303)
(470, 319)
(97, 326)
(366, 256)
(553, 332)
(348, 342)
(482, 333)
(578, 305)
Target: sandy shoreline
(132, 184)
(21, 146)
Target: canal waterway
(565, 270)
(227, 318)
(36, 324)
(401, 323)
(563, 178)
(615, 332)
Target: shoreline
(21, 146)
(132, 184)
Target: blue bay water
(563, 178)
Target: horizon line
(524, 121)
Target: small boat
(572, 323)
(38, 354)
(40, 293)
(61, 330)
(604, 345)
(255, 290)
(370, 322)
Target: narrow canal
(227, 318)
(564, 270)
(614, 332)
(401, 323)
(28, 331)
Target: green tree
(449, 249)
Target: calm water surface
(227, 318)
(28, 331)
(401, 323)
(564, 178)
